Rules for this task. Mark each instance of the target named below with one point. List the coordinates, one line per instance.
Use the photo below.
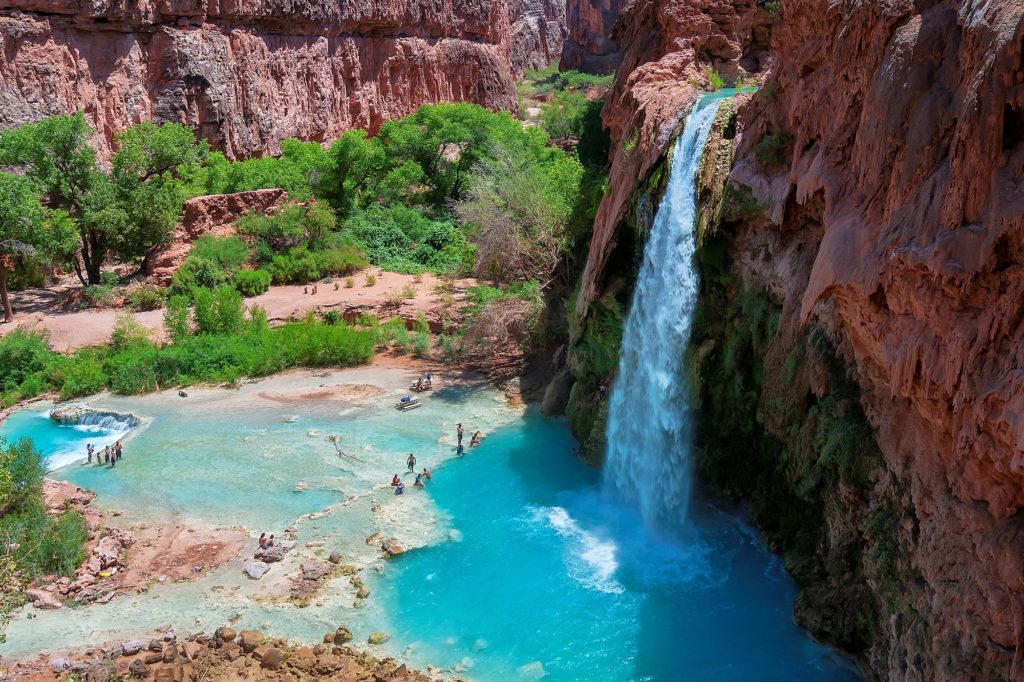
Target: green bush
(22, 353)
(100, 295)
(83, 376)
(773, 149)
(252, 282)
(21, 474)
(62, 547)
(146, 297)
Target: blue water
(60, 443)
(549, 577)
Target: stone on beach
(256, 569)
(41, 599)
(131, 647)
(270, 554)
(250, 639)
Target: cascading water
(649, 431)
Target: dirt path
(42, 309)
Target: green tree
(21, 474)
(148, 172)
(28, 229)
(55, 155)
(176, 318)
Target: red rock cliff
(538, 32)
(666, 48)
(249, 73)
(897, 184)
(589, 45)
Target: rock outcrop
(208, 215)
(248, 74)
(667, 47)
(589, 45)
(538, 32)
(891, 219)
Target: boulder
(303, 658)
(377, 638)
(225, 634)
(315, 571)
(271, 554)
(131, 647)
(59, 665)
(138, 669)
(272, 658)
(41, 599)
(335, 557)
(250, 639)
(256, 569)
(154, 657)
(342, 635)
(155, 645)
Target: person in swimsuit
(411, 462)
(263, 540)
(426, 473)
(395, 480)
(459, 431)
(475, 440)
(419, 481)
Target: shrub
(371, 280)
(252, 282)
(84, 376)
(716, 80)
(773, 149)
(62, 547)
(408, 291)
(128, 333)
(146, 297)
(349, 282)
(22, 353)
(204, 311)
(176, 318)
(100, 296)
(21, 474)
(421, 345)
(230, 311)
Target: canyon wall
(589, 45)
(885, 156)
(538, 32)
(249, 73)
(858, 349)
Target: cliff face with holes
(249, 73)
(858, 348)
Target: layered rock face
(589, 45)
(887, 153)
(667, 47)
(538, 32)
(250, 73)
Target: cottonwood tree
(28, 230)
(126, 211)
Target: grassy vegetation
(213, 339)
(32, 543)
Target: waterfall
(648, 465)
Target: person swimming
(395, 480)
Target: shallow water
(526, 570)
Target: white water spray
(649, 426)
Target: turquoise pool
(523, 569)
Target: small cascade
(648, 465)
(94, 420)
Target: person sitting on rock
(270, 541)
(263, 540)
(395, 480)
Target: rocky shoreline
(225, 655)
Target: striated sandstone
(248, 74)
(900, 194)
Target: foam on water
(591, 561)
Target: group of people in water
(421, 478)
(110, 455)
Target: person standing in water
(88, 453)
(411, 462)
(459, 431)
(106, 455)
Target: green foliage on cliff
(774, 149)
